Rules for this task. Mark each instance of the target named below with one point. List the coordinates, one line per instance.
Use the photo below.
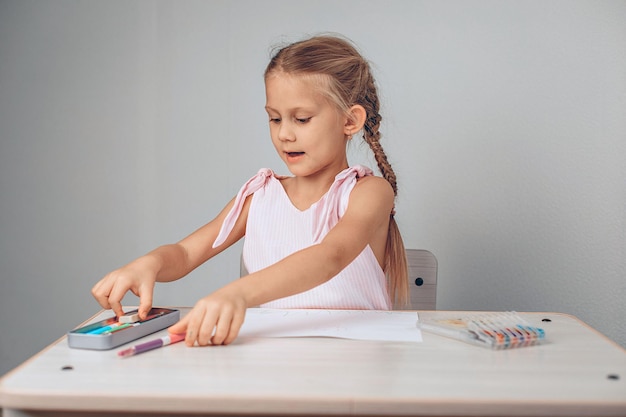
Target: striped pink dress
(276, 228)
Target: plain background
(125, 125)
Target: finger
(235, 326)
(101, 293)
(117, 309)
(222, 327)
(145, 300)
(179, 327)
(193, 324)
(207, 327)
(115, 300)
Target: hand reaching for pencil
(215, 319)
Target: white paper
(397, 326)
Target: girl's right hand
(110, 290)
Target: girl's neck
(306, 191)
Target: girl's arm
(217, 318)
(166, 263)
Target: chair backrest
(243, 271)
(422, 280)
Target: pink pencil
(152, 344)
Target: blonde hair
(347, 80)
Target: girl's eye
(303, 120)
(274, 120)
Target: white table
(577, 373)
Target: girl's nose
(285, 132)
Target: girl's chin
(299, 170)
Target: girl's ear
(355, 120)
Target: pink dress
(276, 228)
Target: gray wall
(126, 124)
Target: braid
(371, 134)
(396, 267)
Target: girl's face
(307, 130)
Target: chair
(422, 279)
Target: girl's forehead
(282, 86)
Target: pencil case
(506, 330)
(110, 333)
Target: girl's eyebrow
(294, 110)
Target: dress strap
(250, 187)
(328, 212)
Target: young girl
(322, 238)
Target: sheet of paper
(399, 326)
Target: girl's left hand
(215, 319)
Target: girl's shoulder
(373, 188)
(374, 183)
